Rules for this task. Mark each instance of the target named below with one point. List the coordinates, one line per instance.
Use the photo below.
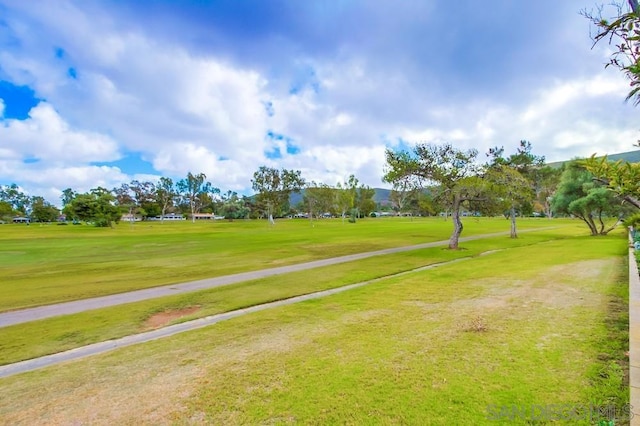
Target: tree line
(427, 180)
(192, 195)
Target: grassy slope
(49, 264)
(396, 351)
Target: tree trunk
(632, 200)
(547, 209)
(457, 224)
(270, 213)
(589, 221)
(164, 211)
(514, 232)
(611, 228)
(592, 225)
(603, 229)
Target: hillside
(630, 157)
(381, 196)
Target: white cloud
(570, 92)
(204, 111)
(47, 137)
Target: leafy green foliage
(195, 191)
(621, 177)
(513, 180)
(452, 171)
(19, 201)
(233, 207)
(319, 199)
(633, 220)
(42, 211)
(579, 195)
(623, 31)
(97, 206)
(274, 188)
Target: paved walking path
(66, 308)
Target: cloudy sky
(99, 92)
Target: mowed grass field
(537, 321)
(49, 264)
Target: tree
(43, 211)
(364, 201)
(512, 188)
(165, 195)
(6, 210)
(19, 201)
(123, 196)
(547, 180)
(191, 190)
(97, 206)
(233, 207)
(623, 32)
(403, 195)
(579, 195)
(513, 178)
(274, 188)
(67, 196)
(144, 197)
(622, 178)
(453, 171)
(124, 200)
(346, 198)
(319, 199)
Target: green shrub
(633, 220)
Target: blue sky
(98, 92)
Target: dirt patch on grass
(163, 318)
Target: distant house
(382, 214)
(203, 216)
(127, 217)
(21, 220)
(170, 216)
(207, 216)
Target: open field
(540, 322)
(49, 264)
(37, 338)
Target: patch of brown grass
(163, 318)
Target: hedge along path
(66, 308)
(109, 345)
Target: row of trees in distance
(193, 195)
(427, 180)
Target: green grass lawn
(49, 264)
(539, 323)
(37, 338)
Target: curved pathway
(66, 308)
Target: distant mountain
(629, 157)
(381, 196)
